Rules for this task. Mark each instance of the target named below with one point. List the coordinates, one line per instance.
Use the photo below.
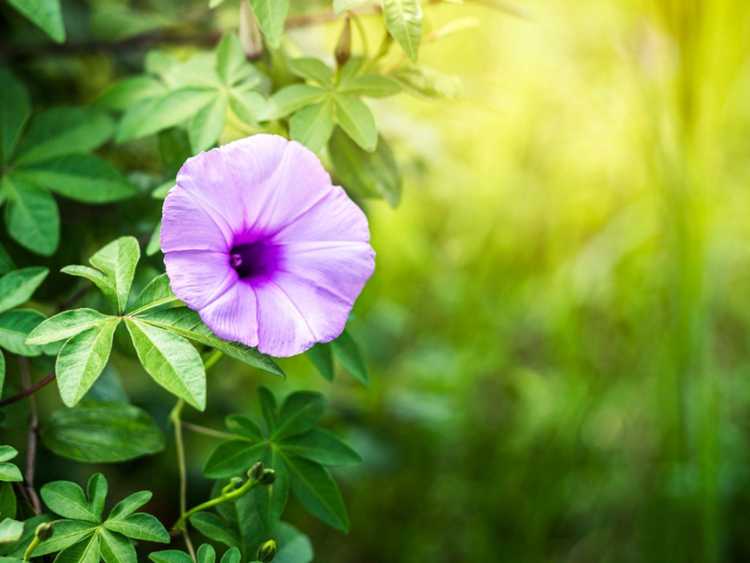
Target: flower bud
(267, 551)
(268, 477)
(256, 471)
(44, 531)
(344, 46)
(250, 38)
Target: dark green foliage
(83, 534)
(290, 443)
(93, 133)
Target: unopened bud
(44, 531)
(268, 477)
(250, 38)
(344, 46)
(267, 551)
(256, 471)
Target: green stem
(174, 416)
(32, 546)
(211, 359)
(225, 497)
(198, 429)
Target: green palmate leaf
(104, 283)
(129, 505)
(367, 174)
(82, 359)
(294, 547)
(14, 552)
(206, 554)
(139, 526)
(314, 487)
(351, 69)
(427, 82)
(68, 500)
(45, 14)
(18, 286)
(9, 473)
(156, 294)
(271, 15)
(207, 124)
(356, 119)
(66, 533)
(170, 556)
(312, 69)
(2, 372)
(31, 216)
(7, 501)
(61, 131)
(122, 95)
(248, 104)
(152, 115)
(313, 125)
(118, 261)
(101, 432)
(108, 388)
(233, 555)
(403, 19)
(6, 262)
(268, 408)
(243, 426)
(188, 324)
(292, 98)
(170, 360)
(347, 352)
(65, 325)
(230, 60)
(322, 447)
(233, 458)
(161, 191)
(115, 548)
(371, 85)
(15, 326)
(322, 358)
(215, 529)
(96, 490)
(7, 453)
(15, 109)
(10, 530)
(113, 22)
(87, 551)
(299, 413)
(82, 177)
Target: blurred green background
(558, 328)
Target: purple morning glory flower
(259, 242)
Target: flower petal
(257, 184)
(337, 269)
(198, 277)
(335, 217)
(187, 226)
(233, 315)
(282, 328)
(310, 297)
(226, 180)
